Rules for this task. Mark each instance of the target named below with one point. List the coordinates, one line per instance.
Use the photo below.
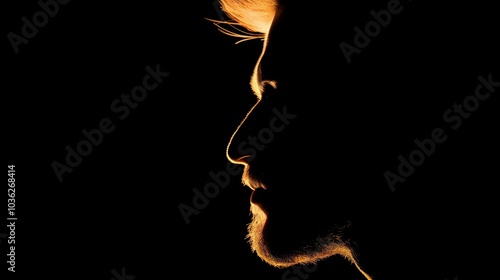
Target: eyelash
(238, 33)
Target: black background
(119, 207)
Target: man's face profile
(298, 168)
(325, 129)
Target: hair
(256, 16)
(323, 247)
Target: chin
(280, 247)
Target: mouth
(259, 194)
(254, 185)
(260, 197)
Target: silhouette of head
(301, 157)
(324, 130)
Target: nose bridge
(260, 76)
(237, 150)
(242, 132)
(270, 64)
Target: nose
(244, 145)
(236, 151)
(251, 136)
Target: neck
(374, 240)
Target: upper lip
(250, 181)
(255, 185)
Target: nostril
(244, 160)
(268, 88)
(271, 83)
